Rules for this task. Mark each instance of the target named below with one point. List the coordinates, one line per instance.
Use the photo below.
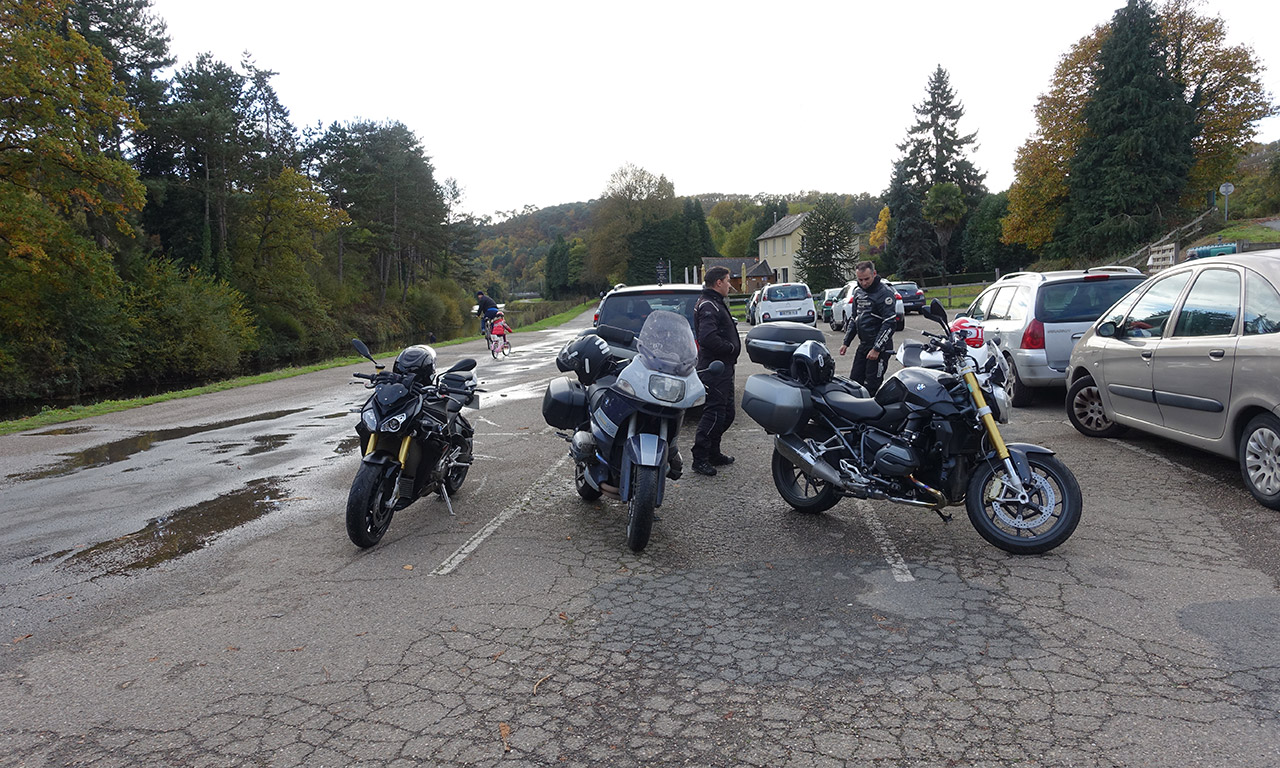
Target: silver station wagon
(1192, 355)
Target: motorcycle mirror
(465, 364)
(937, 312)
(363, 350)
(716, 368)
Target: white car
(786, 301)
(751, 307)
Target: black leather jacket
(875, 315)
(716, 330)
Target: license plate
(788, 311)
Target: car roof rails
(1012, 275)
(1115, 268)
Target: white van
(786, 301)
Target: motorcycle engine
(897, 458)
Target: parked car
(786, 301)
(912, 296)
(1192, 355)
(627, 307)
(828, 298)
(1035, 318)
(751, 307)
(843, 308)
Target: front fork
(993, 433)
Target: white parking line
(896, 564)
(454, 560)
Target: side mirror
(716, 368)
(1108, 330)
(936, 312)
(362, 349)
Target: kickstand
(946, 516)
(444, 494)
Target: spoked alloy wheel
(1025, 526)
(1085, 411)
(369, 504)
(802, 492)
(1259, 453)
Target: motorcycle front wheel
(644, 496)
(1047, 518)
(802, 492)
(369, 504)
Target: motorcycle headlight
(369, 419)
(668, 389)
(394, 423)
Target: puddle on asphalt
(349, 444)
(180, 533)
(264, 443)
(63, 431)
(120, 450)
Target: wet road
(522, 631)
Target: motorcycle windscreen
(666, 344)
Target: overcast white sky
(538, 103)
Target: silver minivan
(1193, 355)
(1035, 318)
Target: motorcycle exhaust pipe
(796, 451)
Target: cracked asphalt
(745, 635)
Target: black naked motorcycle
(625, 415)
(413, 437)
(927, 439)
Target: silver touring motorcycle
(927, 439)
(625, 416)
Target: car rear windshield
(629, 312)
(786, 293)
(1081, 301)
(905, 287)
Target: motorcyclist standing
(876, 316)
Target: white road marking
(454, 560)
(896, 564)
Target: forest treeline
(166, 221)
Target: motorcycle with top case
(928, 439)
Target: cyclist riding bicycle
(486, 309)
(499, 325)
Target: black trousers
(868, 373)
(717, 415)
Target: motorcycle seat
(851, 407)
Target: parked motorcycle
(413, 436)
(928, 439)
(626, 415)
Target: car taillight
(897, 296)
(596, 320)
(1097, 277)
(1033, 337)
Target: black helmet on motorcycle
(812, 365)
(419, 360)
(588, 356)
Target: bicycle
(499, 344)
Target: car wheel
(1259, 452)
(1084, 409)
(1020, 394)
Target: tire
(506, 348)
(802, 492)
(493, 349)
(583, 487)
(644, 496)
(1020, 395)
(835, 326)
(1085, 411)
(369, 509)
(1025, 529)
(1259, 452)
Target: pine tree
(911, 239)
(827, 256)
(935, 151)
(1132, 164)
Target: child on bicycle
(499, 327)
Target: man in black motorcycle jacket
(875, 317)
(717, 335)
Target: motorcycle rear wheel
(803, 493)
(1050, 517)
(369, 509)
(644, 496)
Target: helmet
(479, 293)
(812, 365)
(588, 356)
(419, 360)
(499, 314)
(973, 331)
